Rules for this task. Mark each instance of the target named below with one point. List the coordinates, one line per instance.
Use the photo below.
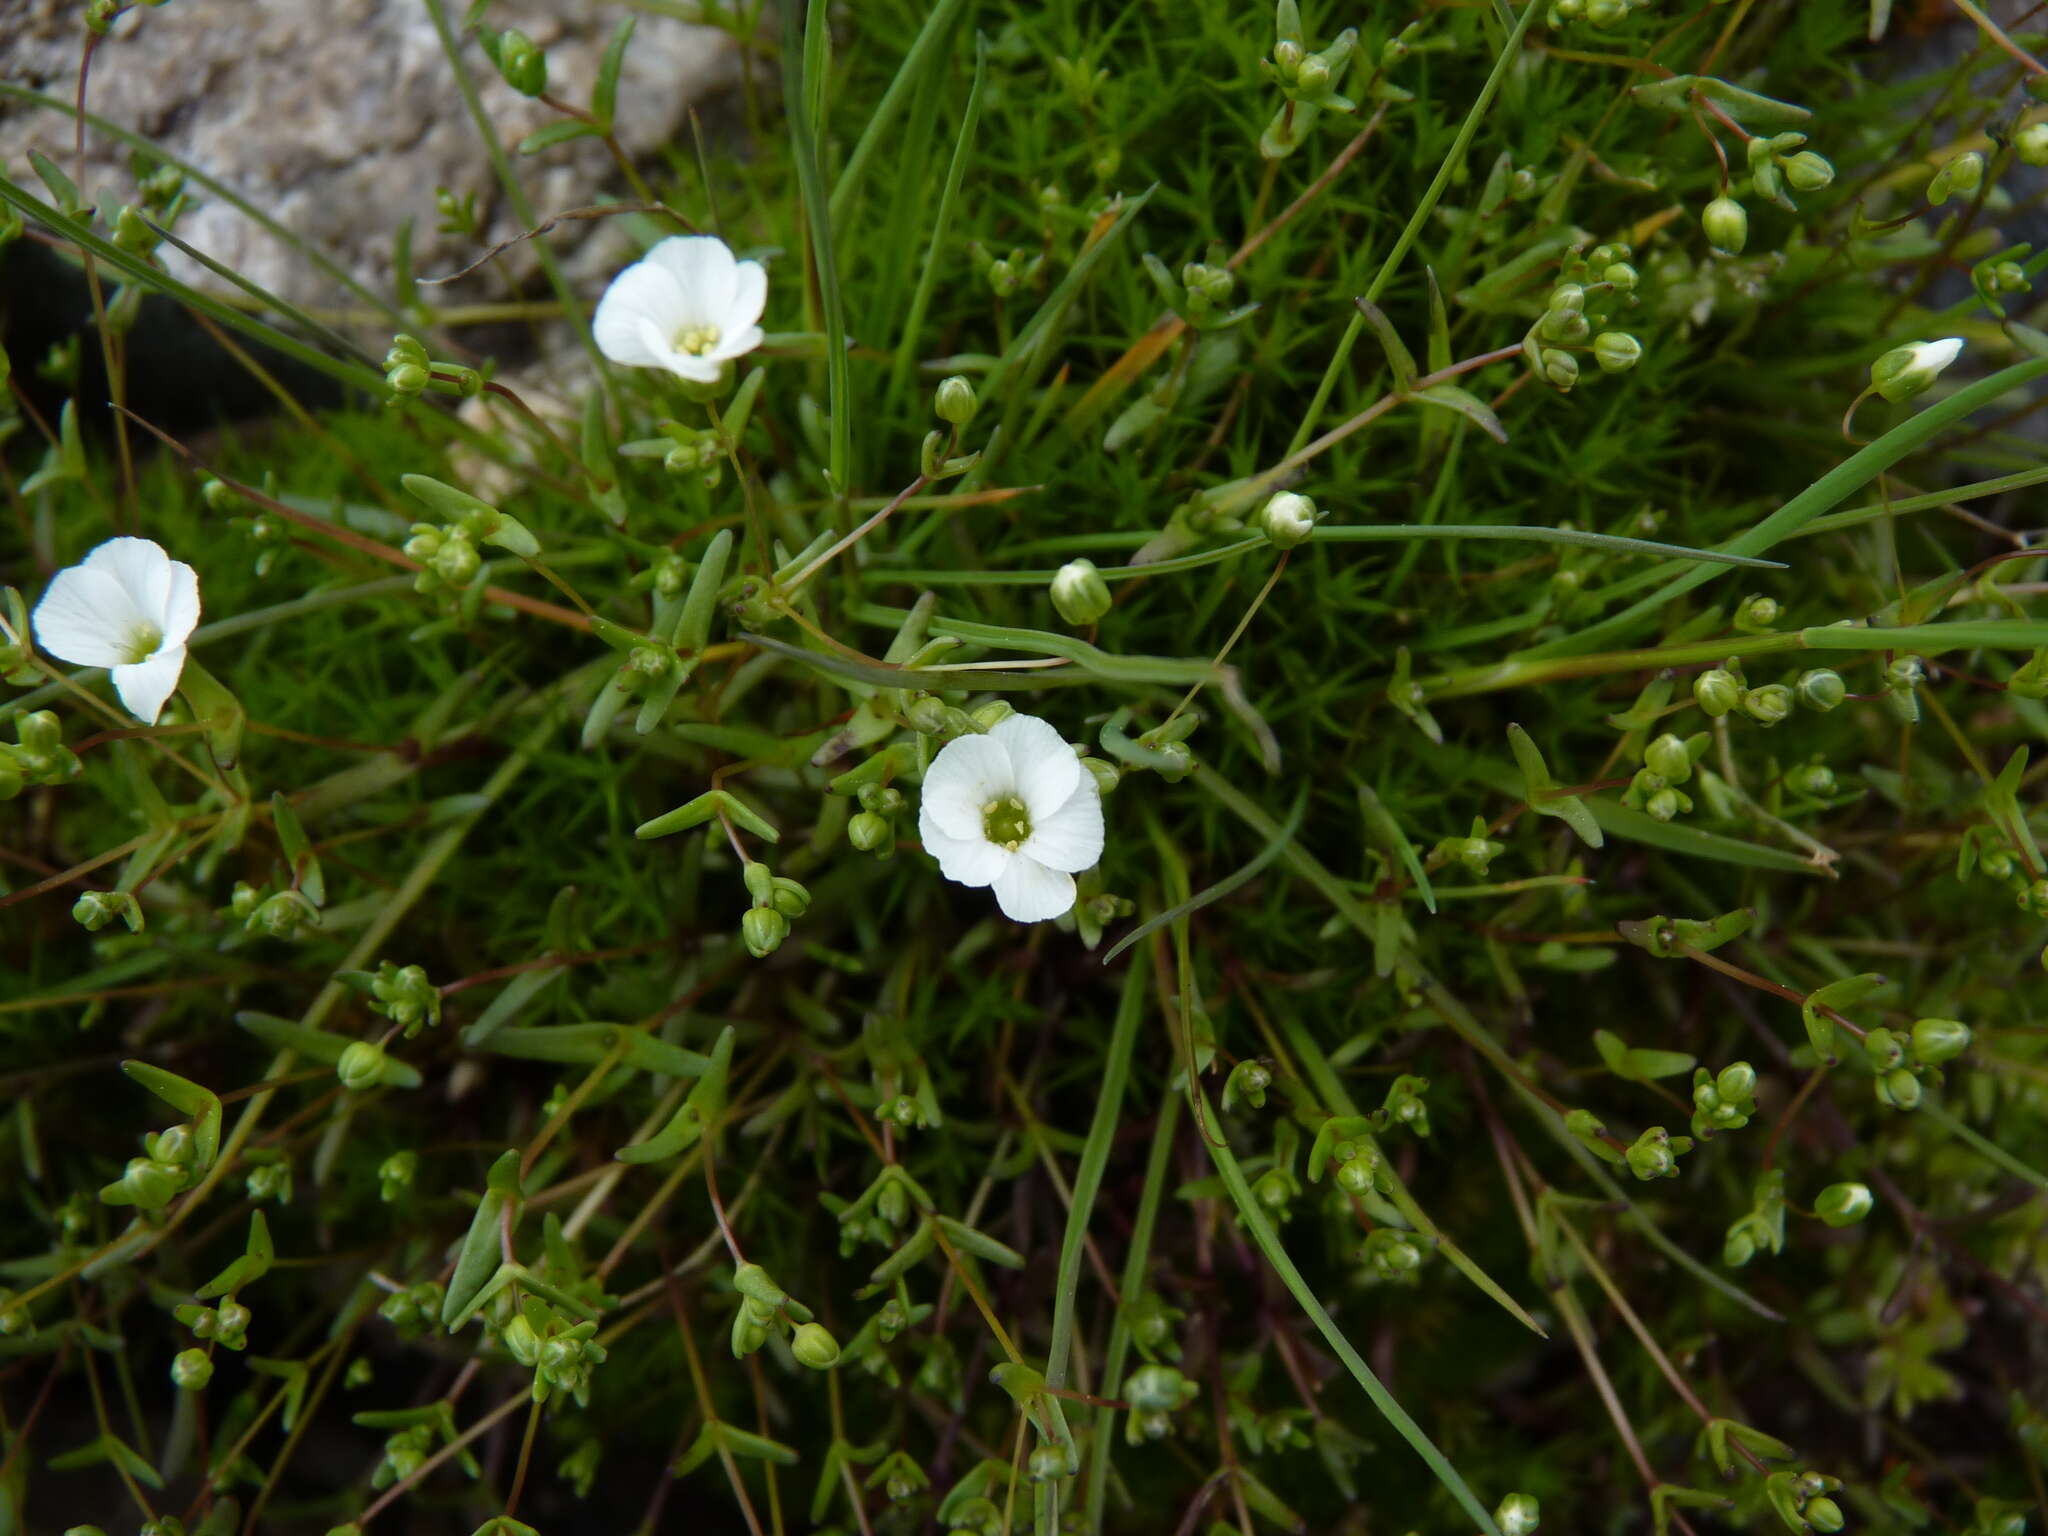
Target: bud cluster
(777, 899)
(1583, 316)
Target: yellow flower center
(1006, 823)
(697, 339)
(143, 641)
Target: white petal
(683, 365)
(749, 296)
(969, 772)
(644, 295)
(1047, 769)
(1028, 892)
(967, 860)
(87, 618)
(181, 605)
(1070, 838)
(142, 568)
(704, 270)
(145, 685)
(735, 343)
(1938, 354)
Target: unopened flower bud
(1567, 298)
(1716, 691)
(1900, 1089)
(763, 929)
(1808, 172)
(813, 1345)
(1726, 226)
(1882, 1047)
(192, 1370)
(1843, 1205)
(1938, 1040)
(1079, 593)
(2031, 143)
(1288, 519)
(1758, 613)
(521, 62)
(870, 833)
(1811, 779)
(1560, 369)
(1564, 326)
(361, 1065)
(1823, 1514)
(1821, 689)
(1769, 704)
(1668, 758)
(1518, 1515)
(1962, 175)
(955, 402)
(1616, 351)
(1904, 372)
(1621, 275)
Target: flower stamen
(696, 340)
(1006, 823)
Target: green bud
(1357, 1174)
(1736, 1081)
(813, 1345)
(1882, 1048)
(1821, 689)
(1567, 327)
(521, 62)
(1567, 298)
(1621, 275)
(456, 562)
(763, 929)
(1655, 1153)
(1606, 13)
(1049, 1462)
(1900, 1089)
(1823, 1514)
(1739, 1248)
(95, 909)
(1904, 372)
(2031, 143)
(1158, 1389)
(408, 379)
(1668, 758)
(192, 1370)
(870, 833)
(1808, 172)
(1287, 519)
(361, 1065)
(1769, 704)
(1518, 1515)
(1666, 804)
(955, 401)
(395, 1174)
(1079, 594)
(1938, 1040)
(1616, 351)
(1811, 779)
(1561, 369)
(1758, 613)
(1274, 1190)
(1843, 1205)
(1106, 774)
(1726, 226)
(1963, 174)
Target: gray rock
(340, 118)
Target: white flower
(1288, 519)
(128, 607)
(1905, 371)
(1016, 810)
(688, 306)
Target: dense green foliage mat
(1525, 513)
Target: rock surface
(340, 118)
